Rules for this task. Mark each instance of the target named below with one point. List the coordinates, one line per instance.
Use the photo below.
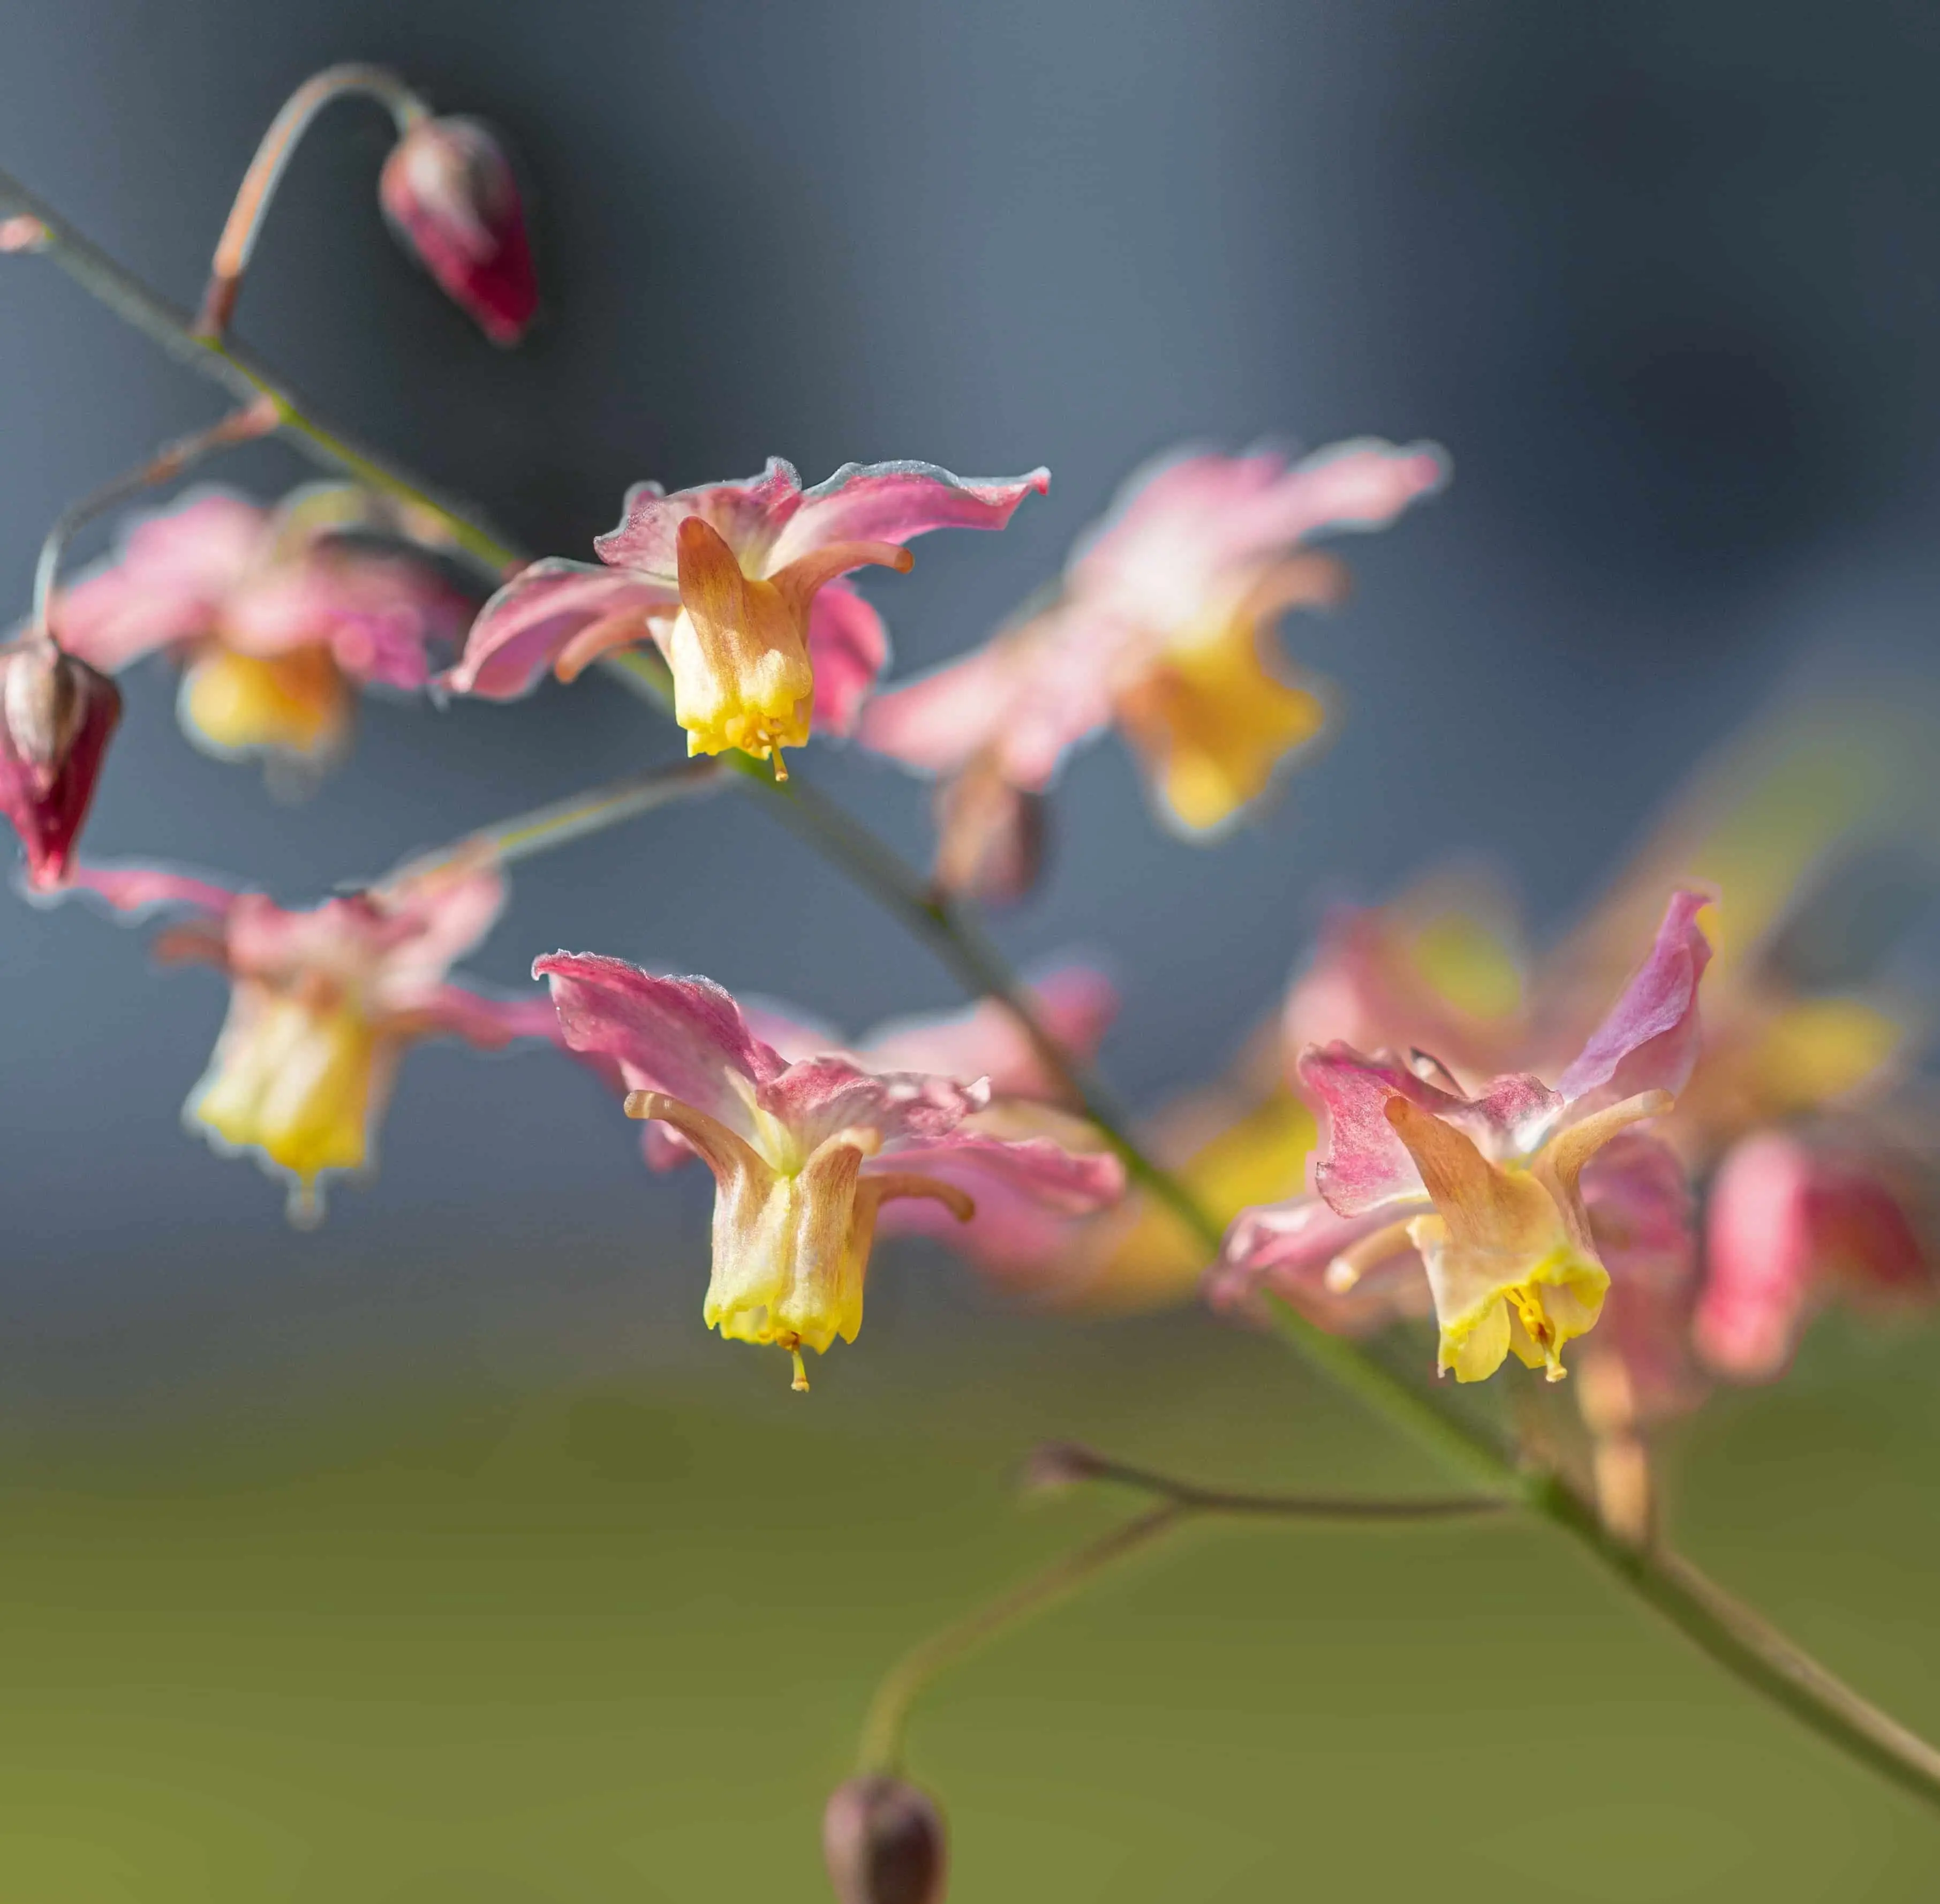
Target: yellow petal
(1211, 722)
(296, 703)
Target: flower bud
(57, 715)
(448, 190)
(1053, 1466)
(990, 836)
(882, 1842)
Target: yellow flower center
(295, 703)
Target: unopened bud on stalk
(1052, 1467)
(448, 190)
(57, 715)
(990, 836)
(882, 1842)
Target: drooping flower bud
(989, 835)
(57, 715)
(448, 190)
(882, 1842)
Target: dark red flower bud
(990, 836)
(57, 715)
(882, 1842)
(448, 190)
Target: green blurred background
(500, 1643)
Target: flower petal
(848, 647)
(892, 501)
(1649, 1039)
(1366, 1164)
(748, 516)
(684, 1036)
(521, 631)
(815, 1098)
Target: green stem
(1735, 1637)
(145, 309)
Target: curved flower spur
(1502, 1230)
(739, 586)
(803, 1154)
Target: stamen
(799, 1384)
(781, 774)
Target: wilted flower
(56, 716)
(803, 1154)
(738, 585)
(276, 616)
(1505, 1238)
(448, 190)
(1163, 627)
(325, 1002)
(883, 1841)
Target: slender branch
(1732, 1635)
(564, 820)
(888, 1720)
(279, 144)
(137, 304)
(254, 419)
(1061, 1464)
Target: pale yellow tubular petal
(1558, 1164)
(1353, 1262)
(820, 1294)
(797, 583)
(294, 703)
(741, 671)
(1483, 1205)
(724, 1152)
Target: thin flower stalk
(1179, 1503)
(1733, 1637)
(277, 146)
(255, 419)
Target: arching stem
(257, 191)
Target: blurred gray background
(1661, 277)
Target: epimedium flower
(56, 717)
(739, 586)
(448, 191)
(804, 1154)
(1485, 1189)
(277, 617)
(325, 1001)
(1162, 626)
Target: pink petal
(1758, 1250)
(684, 1036)
(490, 1023)
(521, 631)
(434, 918)
(1025, 699)
(166, 582)
(1284, 1249)
(849, 647)
(1075, 1005)
(137, 890)
(378, 614)
(750, 516)
(892, 501)
(1070, 1183)
(1365, 1164)
(1015, 1238)
(815, 1097)
(1649, 1040)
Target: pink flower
(1790, 1222)
(1163, 627)
(803, 1154)
(56, 717)
(448, 190)
(1504, 1234)
(325, 1002)
(275, 618)
(739, 584)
